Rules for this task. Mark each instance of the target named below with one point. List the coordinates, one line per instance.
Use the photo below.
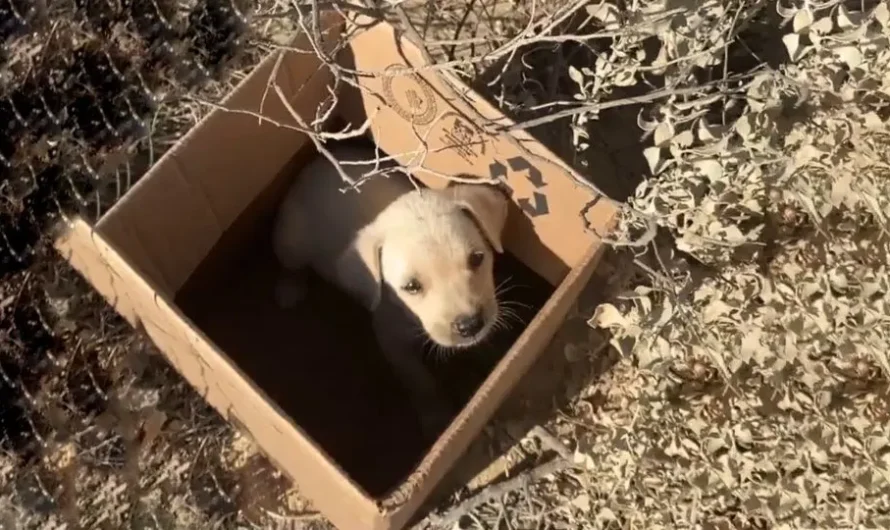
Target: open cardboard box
(186, 254)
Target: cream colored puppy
(419, 259)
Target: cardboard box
(186, 254)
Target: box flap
(558, 215)
(171, 218)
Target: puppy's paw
(289, 292)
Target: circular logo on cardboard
(409, 95)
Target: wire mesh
(92, 92)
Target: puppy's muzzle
(468, 326)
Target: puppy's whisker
(429, 347)
(507, 279)
(432, 350)
(421, 335)
(501, 285)
(516, 303)
(506, 316)
(439, 353)
(437, 349)
(503, 324)
(496, 317)
(443, 352)
(511, 314)
(501, 318)
(503, 288)
(507, 308)
(500, 325)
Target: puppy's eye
(412, 287)
(475, 260)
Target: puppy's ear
(487, 205)
(361, 263)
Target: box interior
(319, 362)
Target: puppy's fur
(419, 259)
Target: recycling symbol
(537, 205)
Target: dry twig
(624, 102)
(496, 491)
(551, 442)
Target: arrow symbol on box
(518, 163)
(540, 207)
(496, 170)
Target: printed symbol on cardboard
(518, 163)
(462, 136)
(415, 100)
(497, 170)
(539, 208)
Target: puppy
(420, 260)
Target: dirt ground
(97, 431)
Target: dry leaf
(582, 502)
(882, 14)
(576, 76)
(850, 55)
(803, 19)
(606, 13)
(607, 316)
(653, 158)
(663, 133)
(822, 26)
(792, 44)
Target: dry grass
(727, 368)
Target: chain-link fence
(91, 94)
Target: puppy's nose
(468, 325)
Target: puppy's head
(435, 249)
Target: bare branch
(520, 481)
(623, 102)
